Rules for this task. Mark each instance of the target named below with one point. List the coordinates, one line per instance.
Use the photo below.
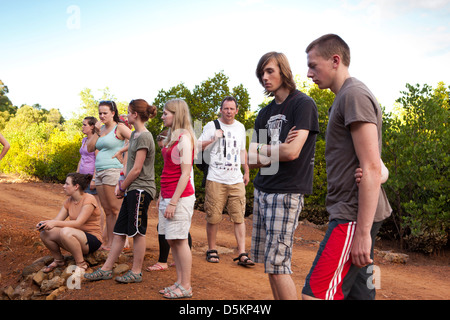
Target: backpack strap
(217, 124)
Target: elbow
(135, 172)
(291, 156)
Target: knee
(66, 232)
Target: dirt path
(23, 204)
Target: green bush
(416, 146)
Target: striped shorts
(275, 218)
(332, 275)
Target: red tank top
(172, 172)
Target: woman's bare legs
(111, 207)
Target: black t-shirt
(272, 126)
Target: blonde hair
(181, 123)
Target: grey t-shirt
(146, 179)
(353, 103)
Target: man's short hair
(285, 70)
(229, 98)
(329, 45)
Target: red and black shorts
(332, 275)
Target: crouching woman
(80, 234)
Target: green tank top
(107, 146)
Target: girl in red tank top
(172, 171)
(176, 203)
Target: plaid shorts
(275, 218)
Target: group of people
(282, 148)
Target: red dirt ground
(24, 203)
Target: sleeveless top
(172, 172)
(87, 161)
(107, 146)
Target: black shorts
(93, 242)
(132, 219)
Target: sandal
(83, 265)
(210, 256)
(156, 267)
(168, 289)
(175, 295)
(52, 266)
(129, 277)
(99, 274)
(247, 262)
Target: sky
(51, 50)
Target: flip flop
(52, 266)
(156, 267)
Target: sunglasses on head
(109, 102)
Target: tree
(7, 110)
(204, 103)
(416, 152)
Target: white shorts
(177, 227)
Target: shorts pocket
(283, 250)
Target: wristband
(120, 186)
(258, 148)
(170, 203)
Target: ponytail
(83, 180)
(113, 107)
(143, 109)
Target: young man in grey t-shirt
(353, 139)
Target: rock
(20, 290)
(9, 292)
(39, 277)
(121, 268)
(52, 284)
(55, 293)
(36, 265)
(393, 257)
(27, 294)
(37, 285)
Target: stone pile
(37, 285)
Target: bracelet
(258, 148)
(170, 203)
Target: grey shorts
(275, 218)
(109, 177)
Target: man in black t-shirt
(282, 147)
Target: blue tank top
(107, 146)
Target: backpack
(205, 157)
